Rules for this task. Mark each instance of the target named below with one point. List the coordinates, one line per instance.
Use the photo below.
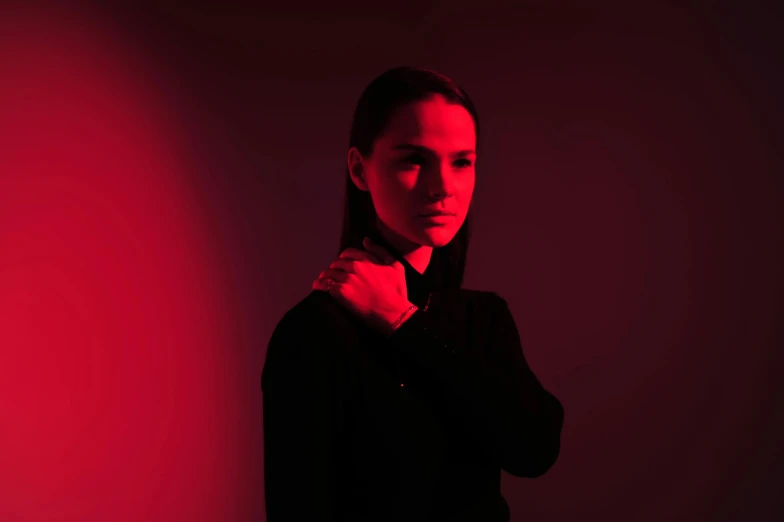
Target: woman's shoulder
(467, 304)
(310, 334)
(318, 312)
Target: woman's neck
(417, 255)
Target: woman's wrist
(400, 316)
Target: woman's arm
(498, 402)
(301, 383)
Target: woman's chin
(436, 237)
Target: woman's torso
(400, 455)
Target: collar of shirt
(419, 286)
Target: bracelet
(394, 326)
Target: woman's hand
(370, 283)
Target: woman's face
(423, 162)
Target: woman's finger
(339, 276)
(322, 283)
(346, 265)
(378, 251)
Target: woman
(391, 393)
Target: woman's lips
(438, 218)
(429, 214)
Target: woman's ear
(356, 169)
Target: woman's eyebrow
(425, 150)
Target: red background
(171, 182)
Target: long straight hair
(377, 104)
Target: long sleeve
(497, 399)
(302, 388)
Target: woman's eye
(419, 160)
(414, 160)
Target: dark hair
(390, 90)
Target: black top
(416, 427)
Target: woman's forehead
(431, 123)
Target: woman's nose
(439, 180)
